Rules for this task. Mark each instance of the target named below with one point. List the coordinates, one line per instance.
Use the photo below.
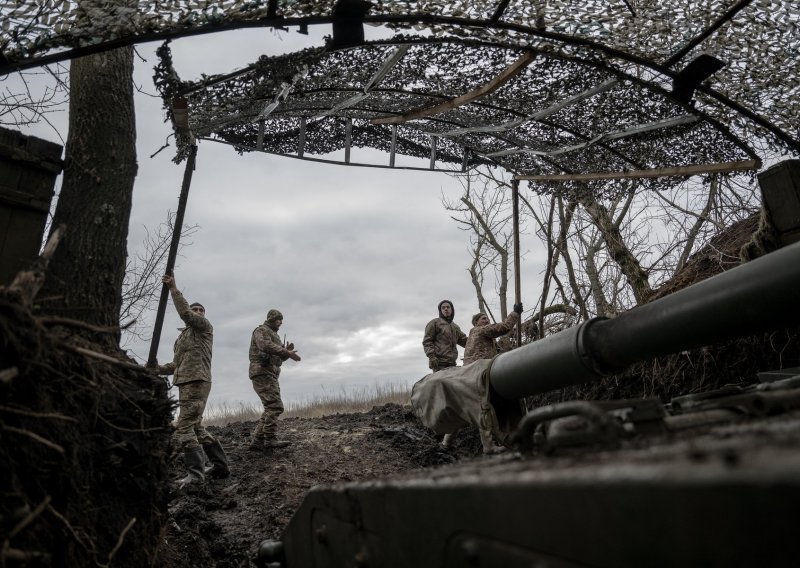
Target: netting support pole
(173, 253)
(517, 284)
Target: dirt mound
(222, 524)
(83, 446)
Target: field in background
(341, 402)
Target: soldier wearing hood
(442, 337)
(267, 354)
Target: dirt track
(223, 524)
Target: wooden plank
(301, 144)
(517, 277)
(509, 73)
(394, 146)
(348, 140)
(260, 140)
(536, 116)
(433, 152)
(657, 172)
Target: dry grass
(340, 402)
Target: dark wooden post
(173, 252)
(517, 286)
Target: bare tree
(30, 97)
(483, 212)
(604, 255)
(86, 273)
(143, 272)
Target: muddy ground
(222, 524)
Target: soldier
(267, 354)
(481, 345)
(481, 341)
(191, 367)
(442, 337)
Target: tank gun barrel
(757, 296)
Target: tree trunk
(564, 221)
(85, 277)
(602, 307)
(629, 265)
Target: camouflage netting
(734, 362)
(83, 451)
(608, 87)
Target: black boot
(194, 460)
(219, 460)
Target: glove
(518, 308)
(433, 364)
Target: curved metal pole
(517, 286)
(173, 253)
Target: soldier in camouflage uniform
(481, 345)
(267, 354)
(481, 341)
(441, 338)
(191, 367)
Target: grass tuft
(343, 401)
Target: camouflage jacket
(192, 359)
(481, 345)
(440, 340)
(267, 352)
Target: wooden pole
(173, 253)
(504, 77)
(691, 170)
(517, 285)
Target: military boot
(219, 461)
(194, 460)
(488, 443)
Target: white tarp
(457, 397)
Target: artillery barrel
(760, 295)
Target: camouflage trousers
(269, 391)
(192, 397)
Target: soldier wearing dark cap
(481, 341)
(267, 354)
(191, 367)
(442, 336)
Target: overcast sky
(356, 258)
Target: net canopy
(541, 88)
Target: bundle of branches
(734, 362)
(84, 444)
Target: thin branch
(35, 437)
(103, 357)
(131, 430)
(58, 320)
(120, 540)
(30, 517)
(687, 249)
(43, 415)
(8, 375)
(72, 531)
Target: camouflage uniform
(267, 354)
(481, 344)
(191, 367)
(441, 338)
